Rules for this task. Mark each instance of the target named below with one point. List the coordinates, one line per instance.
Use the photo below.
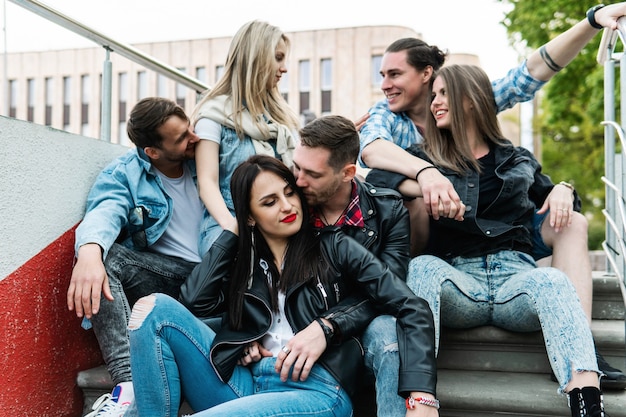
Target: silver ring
(286, 349)
(561, 209)
(246, 353)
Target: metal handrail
(614, 212)
(111, 45)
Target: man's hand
(254, 352)
(608, 15)
(89, 281)
(440, 197)
(302, 351)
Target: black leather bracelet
(591, 16)
(328, 331)
(422, 170)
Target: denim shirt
(125, 186)
(515, 87)
(232, 152)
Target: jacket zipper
(323, 291)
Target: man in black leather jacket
(325, 168)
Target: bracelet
(432, 402)
(422, 170)
(328, 331)
(567, 184)
(591, 16)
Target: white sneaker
(107, 406)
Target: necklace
(325, 220)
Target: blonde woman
(244, 114)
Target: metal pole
(105, 128)
(7, 96)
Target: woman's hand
(253, 352)
(560, 202)
(301, 352)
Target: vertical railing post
(107, 77)
(609, 150)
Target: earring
(252, 251)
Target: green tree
(571, 106)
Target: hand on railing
(609, 40)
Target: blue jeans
(507, 290)
(132, 274)
(540, 249)
(170, 360)
(382, 362)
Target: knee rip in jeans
(391, 347)
(142, 308)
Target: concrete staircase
(487, 371)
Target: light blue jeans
(507, 290)
(170, 361)
(382, 362)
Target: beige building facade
(330, 71)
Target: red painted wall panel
(42, 346)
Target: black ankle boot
(586, 402)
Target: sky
(460, 26)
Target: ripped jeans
(170, 360)
(132, 274)
(382, 362)
(507, 290)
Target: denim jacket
(127, 203)
(524, 188)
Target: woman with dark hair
(272, 286)
(479, 270)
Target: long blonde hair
(248, 73)
(450, 148)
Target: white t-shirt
(182, 235)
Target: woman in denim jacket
(479, 269)
(244, 114)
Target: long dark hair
(302, 259)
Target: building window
(219, 71)
(304, 84)
(161, 85)
(142, 85)
(12, 98)
(376, 78)
(30, 99)
(283, 86)
(326, 84)
(181, 92)
(49, 98)
(67, 100)
(123, 101)
(201, 74)
(85, 98)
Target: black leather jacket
(353, 269)
(386, 235)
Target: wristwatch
(328, 331)
(591, 16)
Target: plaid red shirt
(352, 215)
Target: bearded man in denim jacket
(139, 235)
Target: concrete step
(486, 394)
(490, 348)
(608, 303)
